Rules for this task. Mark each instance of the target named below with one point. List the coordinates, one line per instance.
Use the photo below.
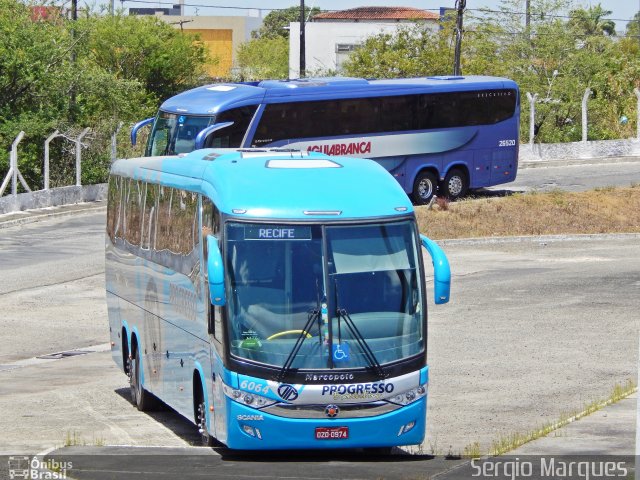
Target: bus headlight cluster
(247, 398)
(409, 396)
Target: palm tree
(633, 27)
(592, 21)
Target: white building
(330, 37)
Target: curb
(30, 216)
(570, 162)
(541, 239)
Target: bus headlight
(409, 396)
(246, 398)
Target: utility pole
(460, 6)
(303, 59)
(72, 93)
(527, 20)
(181, 23)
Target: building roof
(378, 13)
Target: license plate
(332, 433)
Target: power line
(543, 15)
(481, 10)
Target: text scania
(342, 148)
(360, 388)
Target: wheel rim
(133, 373)
(425, 188)
(455, 185)
(202, 423)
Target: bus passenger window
(232, 136)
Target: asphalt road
(574, 178)
(535, 329)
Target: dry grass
(604, 210)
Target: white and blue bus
(440, 135)
(256, 294)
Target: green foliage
(633, 27)
(557, 58)
(411, 51)
(145, 49)
(263, 58)
(276, 23)
(97, 72)
(592, 21)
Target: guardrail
(48, 197)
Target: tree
(409, 52)
(555, 58)
(264, 58)
(121, 68)
(144, 48)
(633, 27)
(276, 23)
(591, 21)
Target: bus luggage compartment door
(504, 165)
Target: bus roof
(210, 99)
(268, 184)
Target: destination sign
(275, 232)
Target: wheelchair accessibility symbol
(341, 352)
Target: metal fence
(533, 98)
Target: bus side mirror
(201, 138)
(138, 126)
(441, 270)
(215, 269)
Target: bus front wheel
(424, 187)
(455, 184)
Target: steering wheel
(288, 332)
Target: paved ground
(535, 328)
(574, 177)
(610, 431)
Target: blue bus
(441, 135)
(268, 312)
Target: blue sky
(622, 9)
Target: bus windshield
(282, 276)
(173, 133)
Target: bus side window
(113, 206)
(133, 213)
(150, 216)
(231, 137)
(164, 218)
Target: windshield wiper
(313, 316)
(342, 314)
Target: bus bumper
(265, 431)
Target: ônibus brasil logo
(287, 392)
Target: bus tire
(141, 398)
(455, 184)
(200, 409)
(424, 187)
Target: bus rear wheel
(424, 187)
(141, 398)
(455, 184)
